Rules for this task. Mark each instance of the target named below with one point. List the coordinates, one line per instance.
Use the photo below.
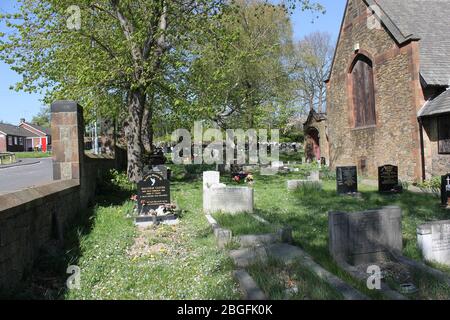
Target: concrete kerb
(284, 252)
(440, 275)
(19, 163)
(249, 287)
(386, 290)
(247, 284)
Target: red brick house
(388, 91)
(41, 136)
(24, 137)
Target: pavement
(20, 162)
(28, 173)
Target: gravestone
(365, 237)
(346, 180)
(219, 197)
(161, 169)
(277, 164)
(388, 179)
(433, 240)
(305, 184)
(228, 199)
(445, 190)
(314, 176)
(210, 178)
(153, 191)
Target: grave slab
(365, 237)
(294, 184)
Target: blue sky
(16, 105)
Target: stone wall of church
(435, 164)
(395, 138)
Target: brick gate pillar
(67, 139)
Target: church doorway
(312, 149)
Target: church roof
(316, 116)
(428, 21)
(439, 105)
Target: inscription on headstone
(153, 191)
(434, 240)
(388, 178)
(346, 179)
(228, 200)
(365, 237)
(445, 190)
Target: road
(21, 177)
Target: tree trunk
(321, 96)
(147, 130)
(133, 131)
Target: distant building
(388, 97)
(316, 138)
(24, 137)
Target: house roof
(430, 22)
(439, 105)
(44, 130)
(13, 130)
(427, 21)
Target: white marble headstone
(433, 240)
(210, 178)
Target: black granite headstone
(445, 190)
(388, 178)
(153, 191)
(347, 179)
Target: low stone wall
(28, 220)
(34, 217)
(7, 158)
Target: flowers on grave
(240, 177)
(249, 179)
(162, 210)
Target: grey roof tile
(428, 20)
(13, 130)
(439, 105)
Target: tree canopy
(143, 61)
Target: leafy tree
(119, 58)
(129, 59)
(42, 118)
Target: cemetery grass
(118, 261)
(279, 280)
(307, 213)
(242, 224)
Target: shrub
(119, 179)
(431, 185)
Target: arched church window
(363, 92)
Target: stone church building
(388, 96)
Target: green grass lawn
(118, 261)
(242, 223)
(24, 155)
(307, 213)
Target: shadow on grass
(46, 280)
